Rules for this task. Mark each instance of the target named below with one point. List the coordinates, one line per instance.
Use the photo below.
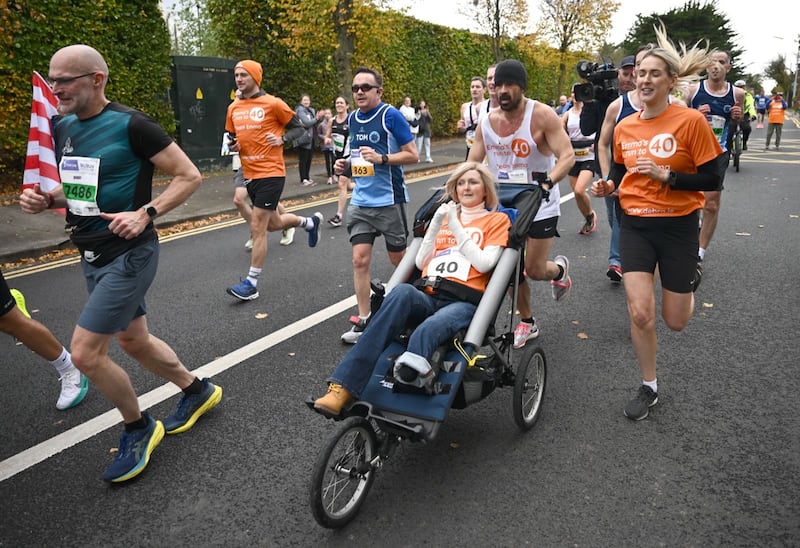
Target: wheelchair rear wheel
(529, 385)
(343, 474)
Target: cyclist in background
(748, 115)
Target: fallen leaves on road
(583, 336)
(262, 315)
(708, 305)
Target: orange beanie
(253, 68)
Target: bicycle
(736, 146)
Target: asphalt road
(717, 463)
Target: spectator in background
(424, 134)
(776, 109)
(305, 143)
(325, 146)
(563, 105)
(411, 116)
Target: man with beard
(521, 141)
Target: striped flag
(40, 163)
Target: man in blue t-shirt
(380, 144)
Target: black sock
(527, 320)
(195, 388)
(136, 425)
(560, 272)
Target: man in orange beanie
(259, 125)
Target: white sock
(308, 224)
(701, 253)
(63, 363)
(652, 384)
(252, 276)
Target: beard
(507, 102)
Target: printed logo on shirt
(256, 114)
(521, 148)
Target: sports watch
(151, 211)
(384, 159)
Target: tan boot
(333, 402)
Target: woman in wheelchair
(461, 247)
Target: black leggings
(304, 158)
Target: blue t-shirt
(385, 130)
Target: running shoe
(134, 451)
(639, 407)
(192, 406)
(352, 336)
(19, 298)
(248, 245)
(525, 332)
(561, 286)
(335, 221)
(308, 183)
(313, 234)
(614, 273)
(589, 225)
(244, 290)
(74, 386)
(288, 236)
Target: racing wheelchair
(470, 367)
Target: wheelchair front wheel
(343, 474)
(529, 385)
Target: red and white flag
(40, 163)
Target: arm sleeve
(484, 259)
(707, 177)
(428, 246)
(590, 118)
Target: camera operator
(593, 120)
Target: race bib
(79, 177)
(450, 264)
(581, 152)
(717, 124)
(338, 142)
(470, 137)
(513, 176)
(360, 167)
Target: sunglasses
(65, 81)
(364, 88)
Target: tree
(689, 24)
(131, 35)
(778, 70)
(499, 19)
(575, 25)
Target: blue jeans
(437, 319)
(612, 211)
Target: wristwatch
(384, 159)
(151, 211)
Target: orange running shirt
(251, 120)
(491, 229)
(776, 111)
(678, 138)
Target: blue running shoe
(190, 408)
(134, 451)
(313, 234)
(244, 290)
